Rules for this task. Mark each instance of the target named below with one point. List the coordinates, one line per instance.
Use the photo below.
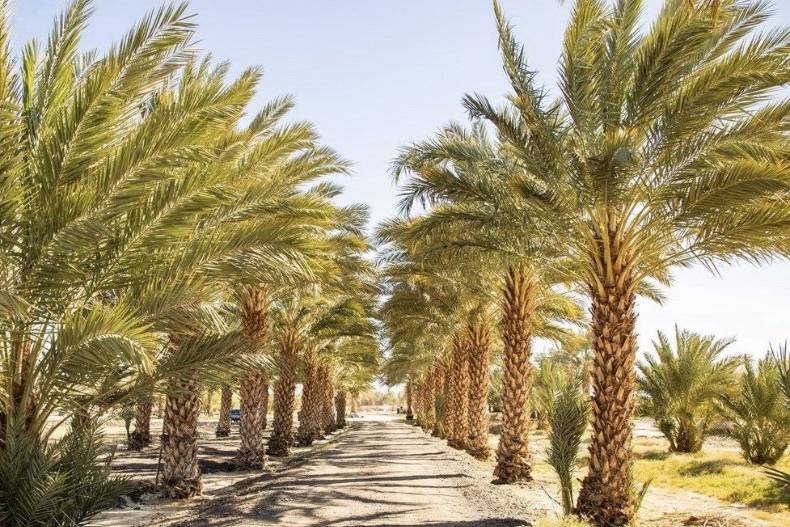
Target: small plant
(678, 387)
(758, 413)
(63, 483)
(567, 417)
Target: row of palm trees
(660, 148)
(155, 240)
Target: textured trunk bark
(606, 495)
(251, 454)
(409, 409)
(429, 407)
(688, 437)
(284, 394)
(340, 408)
(438, 398)
(459, 395)
(308, 413)
(478, 361)
(416, 402)
(181, 475)
(209, 406)
(513, 457)
(447, 413)
(226, 399)
(253, 387)
(141, 436)
(328, 400)
(264, 409)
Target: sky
(375, 75)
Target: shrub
(61, 484)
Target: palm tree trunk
(340, 408)
(513, 457)
(308, 421)
(141, 436)
(688, 437)
(284, 394)
(226, 399)
(264, 409)
(417, 407)
(354, 401)
(328, 400)
(439, 398)
(478, 360)
(209, 396)
(447, 414)
(251, 454)
(459, 395)
(429, 408)
(181, 475)
(409, 410)
(253, 387)
(607, 495)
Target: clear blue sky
(374, 75)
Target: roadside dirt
(381, 472)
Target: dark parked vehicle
(235, 416)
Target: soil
(378, 471)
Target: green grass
(719, 473)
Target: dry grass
(716, 471)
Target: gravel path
(382, 472)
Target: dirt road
(380, 472)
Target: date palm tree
(654, 134)
(678, 387)
(758, 412)
(226, 400)
(253, 307)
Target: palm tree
(226, 400)
(758, 412)
(254, 305)
(309, 424)
(479, 350)
(655, 133)
(409, 406)
(288, 342)
(678, 387)
(458, 400)
(141, 436)
(440, 396)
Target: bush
(678, 387)
(62, 484)
(758, 413)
